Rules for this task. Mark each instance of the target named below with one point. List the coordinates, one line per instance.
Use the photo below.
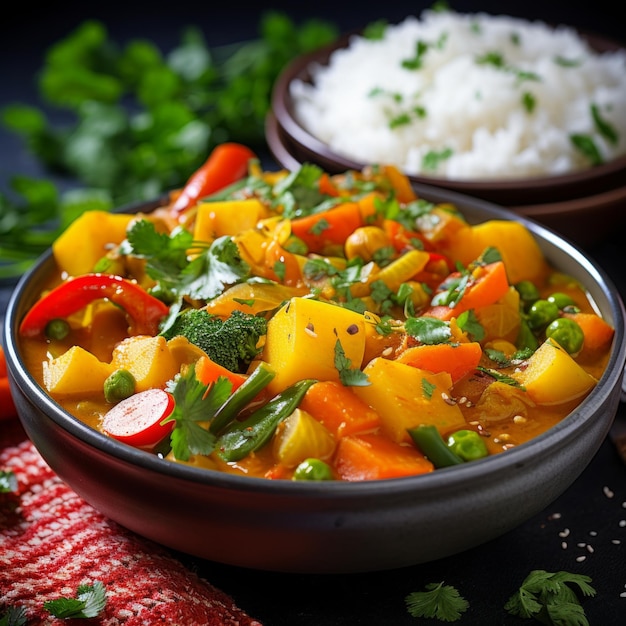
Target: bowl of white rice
(521, 113)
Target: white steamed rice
(479, 113)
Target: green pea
(528, 292)
(567, 333)
(562, 300)
(57, 329)
(119, 385)
(313, 469)
(468, 445)
(541, 313)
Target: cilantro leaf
(210, 273)
(8, 482)
(14, 616)
(439, 601)
(202, 277)
(548, 597)
(349, 376)
(89, 602)
(195, 402)
(428, 330)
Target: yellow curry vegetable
(353, 315)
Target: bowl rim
(300, 68)
(438, 481)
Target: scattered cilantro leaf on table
(8, 482)
(549, 598)
(89, 602)
(439, 601)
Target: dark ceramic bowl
(581, 206)
(334, 527)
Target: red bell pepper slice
(145, 311)
(227, 164)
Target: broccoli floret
(231, 342)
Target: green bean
(241, 438)
(257, 381)
(431, 443)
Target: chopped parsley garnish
(432, 159)
(603, 127)
(529, 101)
(428, 388)
(587, 146)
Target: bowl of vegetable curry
(313, 372)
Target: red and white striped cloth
(52, 541)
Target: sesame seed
(590, 549)
(519, 419)
(387, 352)
(593, 533)
(623, 594)
(622, 523)
(615, 542)
(580, 559)
(463, 400)
(564, 533)
(556, 516)
(607, 492)
(581, 544)
(564, 545)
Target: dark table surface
(592, 512)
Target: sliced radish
(137, 419)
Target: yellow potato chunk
(553, 377)
(301, 340)
(406, 397)
(148, 359)
(215, 219)
(99, 229)
(75, 372)
(519, 250)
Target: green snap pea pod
(313, 469)
(241, 438)
(468, 444)
(255, 383)
(431, 443)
